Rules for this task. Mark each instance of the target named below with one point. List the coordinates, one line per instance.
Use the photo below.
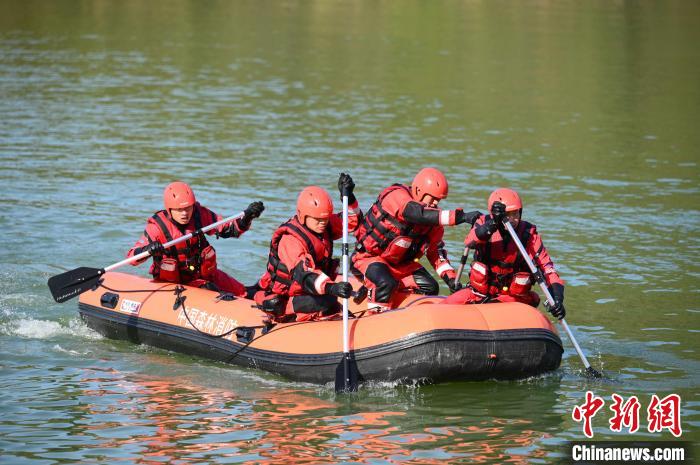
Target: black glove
(253, 211)
(342, 289)
(156, 249)
(498, 211)
(346, 186)
(485, 231)
(231, 231)
(251, 290)
(199, 235)
(469, 217)
(557, 310)
(452, 284)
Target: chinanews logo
(662, 414)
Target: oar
(463, 260)
(67, 285)
(541, 281)
(346, 372)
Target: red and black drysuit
(301, 269)
(499, 272)
(193, 261)
(393, 235)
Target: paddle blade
(346, 374)
(593, 373)
(67, 285)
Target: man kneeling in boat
(191, 262)
(400, 227)
(299, 281)
(499, 272)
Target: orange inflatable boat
(423, 339)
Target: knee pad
(271, 303)
(207, 267)
(426, 283)
(380, 277)
(520, 284)
(326, 304)
(479, 278)
(168, 270)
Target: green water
(589, 109)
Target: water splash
(46, 329)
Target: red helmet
(315, 202)
(178, 195)
(507, 196)
(429, 181)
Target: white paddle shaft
(543, 285)
(142, 255)
(346, 344)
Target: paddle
(346, 372)
(67, 285)
(541, 281)
(463, 260)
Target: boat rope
(267, 326)
(265, 333)
(137, 290)
(270, 325)
(180, 301)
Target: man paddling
(499, 272)
(193, 261)
(299, 284)
(401, 226)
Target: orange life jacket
(187, 260)
(279, 279)
(383, 234)
(503, 260)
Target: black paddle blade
(346, 374)
(593, 373)
(67, 285)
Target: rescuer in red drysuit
(193, 261)
(299, 283)
(401, 226)
(499, 272)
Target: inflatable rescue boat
(423, 339)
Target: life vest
(187, 260)
(499, 266)
(480, 281)
(383, 234)
(279, 279)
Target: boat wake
(45, 329)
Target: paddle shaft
(540, 280)
(67, 285)
(346, 339)
(143, 255)
(462, 262)
(465, 257)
